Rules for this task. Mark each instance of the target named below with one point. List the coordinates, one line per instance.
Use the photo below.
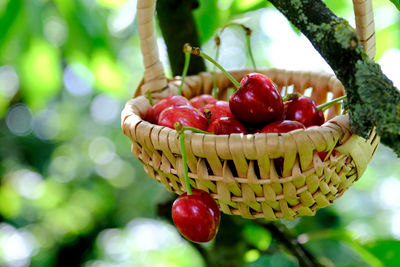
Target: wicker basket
(238, 170)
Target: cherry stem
(149, 97)
(186, 50)
(253, 62)
(179, 127)
(196, 51)
(215, 89)
(248, 32)
(195, 130)
(292, 96)
(327, 105)
(208, 114)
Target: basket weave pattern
(238, 170)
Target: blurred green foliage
(71, 192)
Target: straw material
(239, 170)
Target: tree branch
(178, 27)
(372, 98)
(280, 233)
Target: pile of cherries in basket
(255, 107)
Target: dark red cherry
(201, 101)
(282, 126)
(196, 216)
(253, 129)
(186, 115)
(304, 110)
(322, 155)
(320, 118)
(226, 125)
(219, 109)
(170, 101)
(257, 101)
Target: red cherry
(201, 101)
(320, 118)
(196, 216)
(170, 101)
(282, 127)
(257, 101)
(226, 125)
(219, 109)
(322, 155)
(304, 110)
(253, 130)
(186, 115)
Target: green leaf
(340, 7)
(276, 259)
(7, 17)
(207, 18)
(396, 3)
(388, 251)
(339, 252)
(240, 6)
(331, 242)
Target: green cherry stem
(327, 105)
(292, 96)
(149, 97)
(178, 126)
(248, 41)
(185, 67)
(196, 51)
(248, 32)
(218, 44)
(195, 130)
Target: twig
(280, 233)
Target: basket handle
(154, 77)
(365, 25)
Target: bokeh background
(72, 194)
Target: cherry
(226, 125)
(253, 130)
(195, 213)
(282, 126)
(257, 101)
(304, 110)
(196, 216)
(322, 155)
(201, 101)
(218, 109)
(170, 101)
(186, 115)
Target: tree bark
(372, 99)
(178, 27)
